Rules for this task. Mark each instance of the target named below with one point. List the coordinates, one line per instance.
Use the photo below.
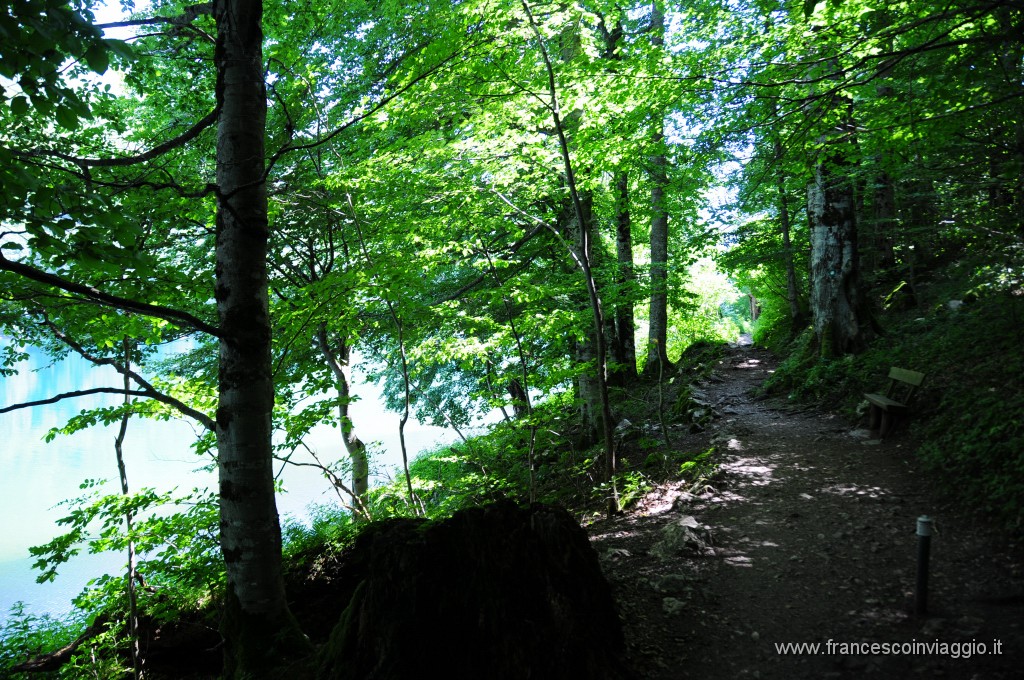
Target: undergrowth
(476, 471)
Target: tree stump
(498, 592)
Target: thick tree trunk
(258, 627)
(835, 286)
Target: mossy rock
(693, 409)
(699, 360)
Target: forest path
(806, 534)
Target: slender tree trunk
(582, 257)
(657, 337)
(131, 577)
(625, 326)
(588, 384)
(796, 316)
(622, 345)
(258, 627)
(489, 371)
(414, 500)
(881, 261)
(883, 222)
(337, 359)
(520, 391)
(587, 392)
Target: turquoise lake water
(36, 476)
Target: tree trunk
(657, 337)
(588, 389)
(883, 254)
(588, 395)
(520, 400)
(131, 577)
(796, 315)
(622, 338)
(582, 213)
(881, 261)
(835, 293)
(259, 629)
(625, 326)
(337, 359)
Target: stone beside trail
(806, 534)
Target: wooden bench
(885, 408)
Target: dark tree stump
(495, 592)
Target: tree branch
(512, 248)
(155, 152)
(148, 390)
(384, 101)
(71, 395)
(175, 316)
(187, 16)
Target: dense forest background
(513, 206)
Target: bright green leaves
(176, 535)
(39, 38)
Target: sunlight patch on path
(856, 490)
(751, 471)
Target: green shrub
(773, 328)
(979, 451)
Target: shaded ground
(806, 535)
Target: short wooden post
(924, 543)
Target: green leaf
(121, 49)
(19, 105)
(67, 118)
(98, 58)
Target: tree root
(57, 658)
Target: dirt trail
(806, 535)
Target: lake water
(36, 476)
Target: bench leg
(886, 424)
(874, 417)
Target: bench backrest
(902, 384)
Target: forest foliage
(500, 207)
